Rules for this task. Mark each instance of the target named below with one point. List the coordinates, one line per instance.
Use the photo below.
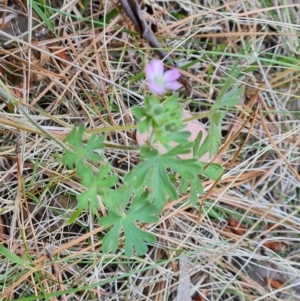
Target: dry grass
(245, 247)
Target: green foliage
(11, 256)
(44, 13)
(96, 185)
(78, 158)
(163, 118)
(229, 97)
(140, 196)
(140, 210)
(155, 166)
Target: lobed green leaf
(135, 238)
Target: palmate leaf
(96, 185)
(82, 153)
(152, 171)
(161, 184)
(199, 150)
(179, 150)
(115, 199)
(196, 188)
(187, 168)
(135, 238)
(88, 198)
(138, 175)
(213, 171)
(214, 137)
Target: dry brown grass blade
(56, 270)
(295, 173)
(42, 263)
(23, 199)
(3, 17)
(22, 279)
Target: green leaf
(213, 171)
(111, 239)
(231, 98)
(113, 198)
(162, 120)
(149, 153)
(74, 216)
(11, 256)
(142, 210)
(200, 151)
(137, 176)
(96, 186)
(81, 153)
(89, 198)
(153, 172)
(216, 117)
(44, 15)
(181, 137)
(214, 214)
(196, 188)
(135, 238)
(88, 179)
(196, 145)
(184, 185)
(179, 150)
(214, 137)
(232, 75)
(162, 185)
(188, 169)
(107, 17)
(138, 112)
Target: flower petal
(154, 69)
(174, 85)
(171, 75)
(158, 80)
(154, 87)
(158, 66)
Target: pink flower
(158, 80)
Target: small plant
(141, 195)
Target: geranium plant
(149, 185)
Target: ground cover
(83, 63)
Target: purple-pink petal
(171, 75)
(154, 69)
(154, 87)
(174, 85)
(158, 67)
(149, 73)
(158, 80)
